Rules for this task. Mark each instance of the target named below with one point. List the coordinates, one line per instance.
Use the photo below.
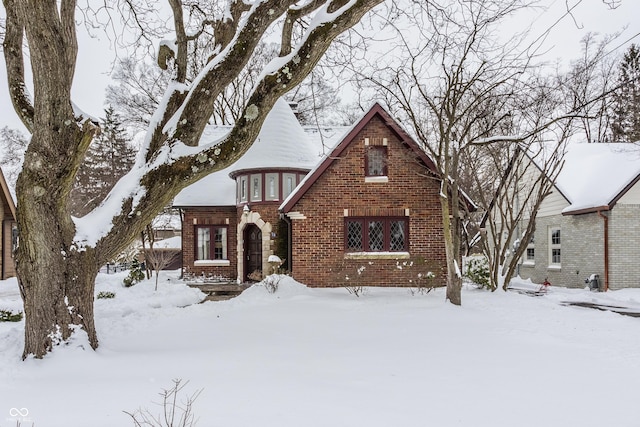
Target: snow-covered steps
(219, 291)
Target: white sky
(96, 56)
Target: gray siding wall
(582, 250)
(624, 246)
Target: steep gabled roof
(376, 111)
(7, 198)
(595, 176)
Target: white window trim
(552, 265)
(212, 262)
(529, 262)
(376, 179)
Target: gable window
(211, 242)
(376, 161)
(376, 234)
(555, 247)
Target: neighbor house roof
(7, 197)
(281, 144)
(595, 176)
(335, 153)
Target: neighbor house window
(211, 242)
(555, 252)
(382, 234)
(376, 161)
(530, 254)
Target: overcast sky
(95, 56)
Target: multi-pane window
(376, 161)
(530, 254)
(555, 246)
(211, 242)
(381, 234)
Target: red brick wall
(217, 216)
(318, 241)
(220, 215)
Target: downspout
(4, 257)
(289, 241)
(606, 249)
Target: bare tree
(159, 257)
(453, 87)
(59, 256)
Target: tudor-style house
(366, 212)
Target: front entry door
(252, 251)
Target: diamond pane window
(354, 236)
(396, 236)
(376, 236)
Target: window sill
(528, 264)
(376, 179)
(212, 263)
(554, 267)
(376, 255)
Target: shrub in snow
(136, 274)
(175, 411)
(105, 295)
(9, 316)
(271, 282)
(478, 271)
(353, 277)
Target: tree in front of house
(59, 256)
(109, 158)
(454, 87)
(625, 125)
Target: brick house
(367, 212)
(8, 232)
(590, 223)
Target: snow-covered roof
(282, 143)
(596, 175)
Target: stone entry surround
(247, 218)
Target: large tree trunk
(57, 277)
(56, 280)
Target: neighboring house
(366, 213)
(8, 233)
(590, 223)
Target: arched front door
(252, 250)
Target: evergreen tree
(626, 110)
(109, 157)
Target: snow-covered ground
(322, 357)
